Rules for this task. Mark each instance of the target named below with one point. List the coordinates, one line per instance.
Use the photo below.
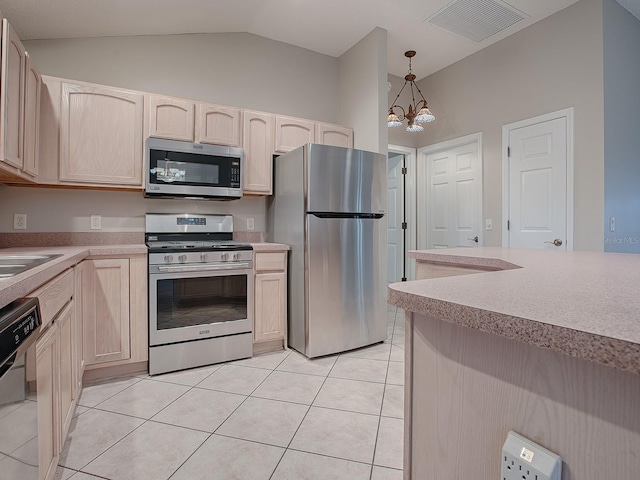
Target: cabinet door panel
(106, 328)
(12, 97)
(258, 153)
(171, 118)
(291, 133)
(33, 84)
(47, 378)
(336, 135)
(270, 306)
(66, 397)
(218, 125)
(101, 135)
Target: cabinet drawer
(271, 261)
(53, 296)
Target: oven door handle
(203, 268)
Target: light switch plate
(250, 224)
(488, 224)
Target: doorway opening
(401, 167)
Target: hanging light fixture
(418, 112)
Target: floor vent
(476, 19)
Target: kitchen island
(544, 343)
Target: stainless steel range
(200, 292)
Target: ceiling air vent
(476, 19)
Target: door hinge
(508, 224)
(404, 225)
(404, 170)
(508, 151)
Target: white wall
(238, 69)
(553, 64)
(621, 128)
(362, 96)
(64, 210)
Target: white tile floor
(276, 416)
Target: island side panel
(469, 388)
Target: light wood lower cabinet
(270, 302)
(47, 378)
(114, 319)
(106, 324)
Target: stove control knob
(168, 258)
(224, 257)
(236, 257)
(182, 258)
(204, 256)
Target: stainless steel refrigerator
(329, 205)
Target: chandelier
(418, 112)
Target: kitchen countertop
(584, 304)
(12, 288)
(270, 247)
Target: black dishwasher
(19, 327)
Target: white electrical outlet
(19, 221)
(523, 459)
(250, 224)
(488, 224)
(96, 222)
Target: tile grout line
(227, 417)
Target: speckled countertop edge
(270, 247)
(587, 346)
(429, 297)
(20, 285)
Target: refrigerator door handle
(374, 216)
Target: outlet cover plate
(523, 459)
(19, 221)
(96, 222)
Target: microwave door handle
(203, 268)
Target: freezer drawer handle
(374, 216)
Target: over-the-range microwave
(193, 170)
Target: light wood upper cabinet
(12, 98)
(101, 137)
(292, 133)
(218, 125)
(337, 135)
(258, 153)
(171, 118)
(33, 83)
(107, 322)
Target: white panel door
(537, 185)
(454, 197)
(395, 195)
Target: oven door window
(187, 302)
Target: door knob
(475, 239)
(557, 242)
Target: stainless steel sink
(14, 264)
